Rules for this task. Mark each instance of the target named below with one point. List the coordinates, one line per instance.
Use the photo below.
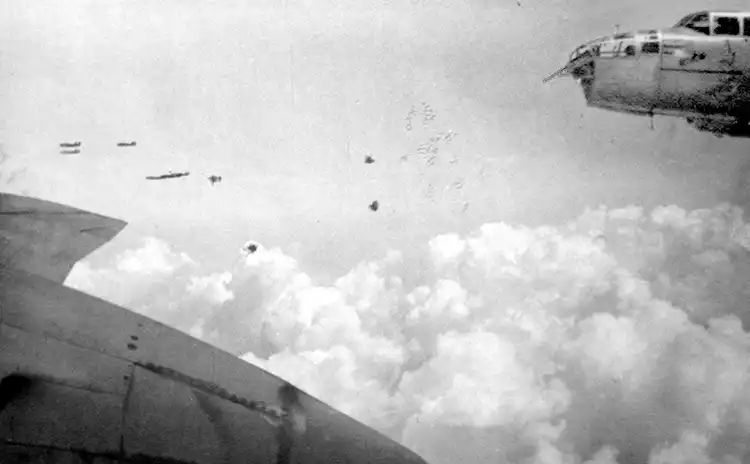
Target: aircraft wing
(46, 238)
(85, 380)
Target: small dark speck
(134, 337)
(132, 346)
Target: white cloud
(153, 257)
(616, 338)
(213, 287)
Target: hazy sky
(519, 342)
(283, 103)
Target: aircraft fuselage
(674, 72)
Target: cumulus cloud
(154, 257)
(620, 337)
(213, 287)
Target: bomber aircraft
(698, 69)
(126, 144)
(171, 175)
(214, 179)
(70, 144)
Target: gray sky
(284, 103)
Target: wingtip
(47, 238)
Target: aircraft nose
(582, 66)
(580, 63)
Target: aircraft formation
(77, 144)
(74, 148)
(70, 148)
(213, 179)
(697, 70)
(427, 149)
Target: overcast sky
(466, 341)
(283, 103)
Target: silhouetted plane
(70, 144)
(214, 179)
(70, 152)
(374, 205)
(171, 175)
(126, 144)
(369, 159)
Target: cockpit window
(746, 27)
(691, 19)
(696, 21)
(650, 47)
(727, 25)
(685, 19)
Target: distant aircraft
(171, 175)
(70, 144)
(126, 144)
(70, 152)
(214, 179)
(698, 69)
(136, 389)
(369, 159)
(374, 205)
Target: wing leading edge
(160, 394)
(46, 238)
